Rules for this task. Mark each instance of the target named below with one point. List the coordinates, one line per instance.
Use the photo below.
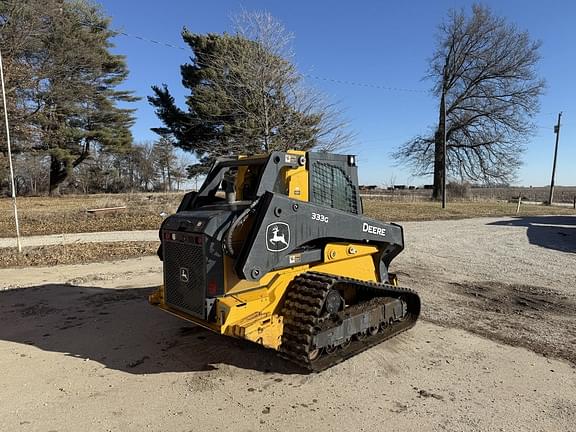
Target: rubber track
(302, 312)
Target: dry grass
(67, 214)
(426, 210)
(562, 194)
(79, 253)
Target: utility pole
(557, 132)
(10, 157)
(444, 155)
(444, 136)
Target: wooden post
(12, 186)
(574, 204)
(519, 202)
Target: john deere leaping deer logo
(184, 274)
(277, 236)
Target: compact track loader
(275, 249)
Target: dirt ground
(509, 279)
(80, 349)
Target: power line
(145, 39)
(135, 36)
(316, 77)
(360, 84)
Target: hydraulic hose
(238, 222)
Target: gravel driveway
(80, 349)
(93, 237)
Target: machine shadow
(119, 329)
(551, 232)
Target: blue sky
(375, 42)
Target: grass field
(67, 214)
(427, 210)
(562, 194)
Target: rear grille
(185, 277)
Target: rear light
(183, 238)
(212, 288)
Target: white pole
(10, 156)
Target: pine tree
(68, 97)
(245, 96)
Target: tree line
(144, 167)
(71, 128)
(71, 118)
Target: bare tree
(165, 161)
(145, 163)
(180, 171)
(484, 72)
(32, 173)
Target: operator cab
(325, 179)
(229, 181)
